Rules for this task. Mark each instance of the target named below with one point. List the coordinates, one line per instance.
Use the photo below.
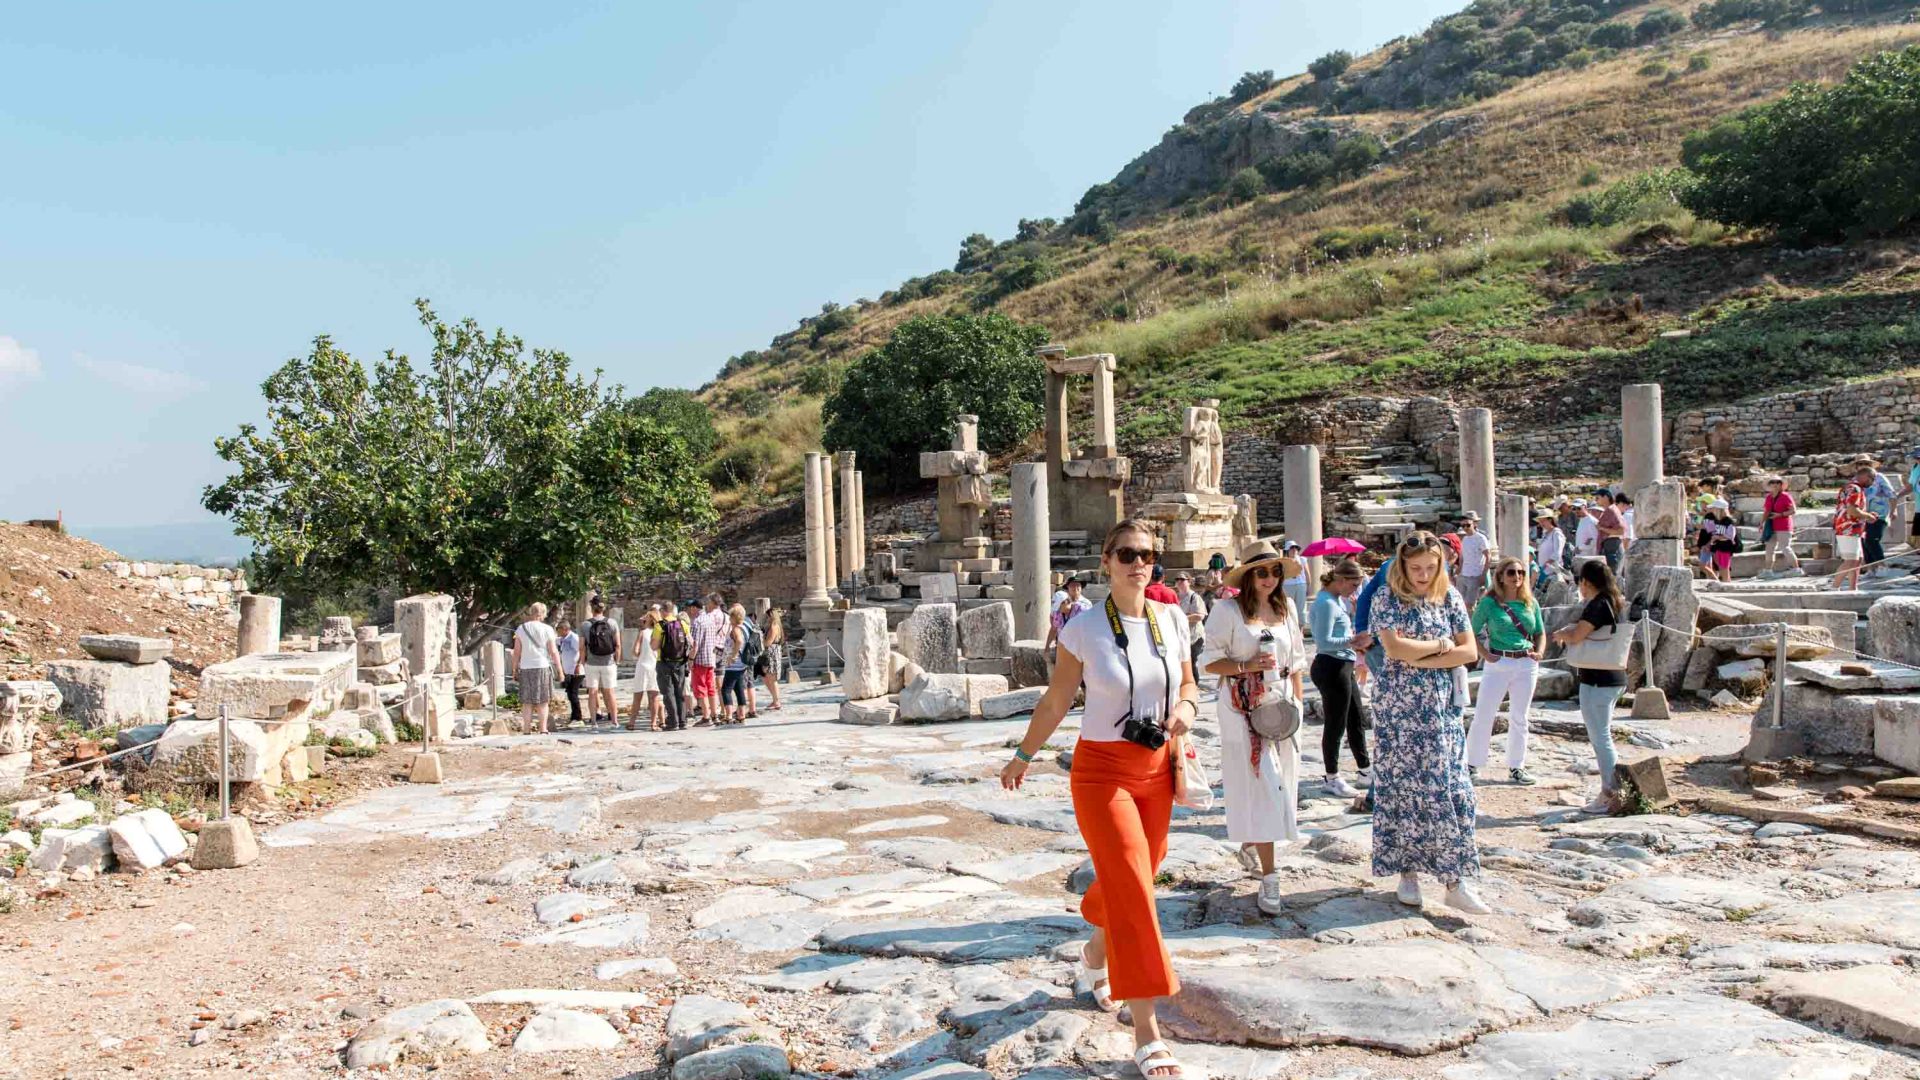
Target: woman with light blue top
(1334, 642)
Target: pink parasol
(1333, 545)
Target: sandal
(1092, 981)
(1161, 1057)
(753, 716)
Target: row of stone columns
(836, 543)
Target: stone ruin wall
(196, 586)
(1875, 416)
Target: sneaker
(1602, 803)
(1270, 901)
(1364, 778)
(1463, 897)
(1409, 890)
(1337, 785)
(1473, 774)
(1521, 776)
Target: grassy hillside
(1450, 262)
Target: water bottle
(1268, 647)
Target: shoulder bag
(1605, 649)
(1192, 787)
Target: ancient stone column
(1105, 442)
(1515, 514)
(1476, 469)
(860, 517)
(829, 523)
(816, 583)
(259, 624)
(850, 515)
(493, 668)
(1300, 492)
(1031, 552)
(1642, 438)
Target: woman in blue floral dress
(1423, 803)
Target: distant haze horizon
(201, 543)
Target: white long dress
(1260, 802)
(645, 675)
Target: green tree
(683, 414)
(1246, 184)
(975, 252)
(1821, 162)
(901, 398)
(1657, 24)
(494, 475)
(1330, 66)
(1251, 85)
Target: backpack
(602, 638)
(753, 645)
(674, 647)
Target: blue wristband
(1023, 755)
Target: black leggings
(1340, 711)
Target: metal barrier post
(1779, 671)
(224, 805)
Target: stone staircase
(1388, 491)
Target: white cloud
(17, 361)
(138, 378)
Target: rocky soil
(831, 900)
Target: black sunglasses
(1513, 573)
(1128, 556)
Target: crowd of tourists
(694, 664)
(1408, 626)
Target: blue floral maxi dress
(1423, 803)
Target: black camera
(1148, 733)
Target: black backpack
(674, 647)
(753, 645)
(602, 638)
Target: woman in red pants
(1133, 656)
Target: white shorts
(1846, 548)
(601, 676)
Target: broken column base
(1773, 744)
(226, 844)
(1650, 703)
(425, 768)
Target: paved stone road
(867, 901)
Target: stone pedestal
(1642, 437)
(493, 668)
(259, 624)
(963, 500)
(1032, 540)
(227, 844)
(1476, 469)
(1300, 480)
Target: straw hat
(1261, 553)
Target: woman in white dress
(645, 684)
(1258, 631)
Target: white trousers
(1505, 677)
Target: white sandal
(1143, 1059)
(1092, 981)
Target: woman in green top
(1510, 620)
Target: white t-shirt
(534, 637)
(1089, 637)
(1586, 536)
(1473, 554)
(1626, 518)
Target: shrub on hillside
(1645, 195)
(1330, 66)
(820, 379)
(684, 414)
(1247, 184)
(1251, 85)
(1658, 23)
(1821, 162)
(1771, 13)
(901, 398)
(832, 319)
(748, 463)
(1613, 35)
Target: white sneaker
(1365, 778)
(1601, 804)
(1338, 785)
(1270, 901)
(1249, 860)
(1463, 897)
(1409, 890)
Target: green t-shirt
(1488, 619)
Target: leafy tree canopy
(1330, 66)
(901, 398)
(494, 475)
(682, 413)
(1821, 162)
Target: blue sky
(194, 191)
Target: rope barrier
(1797, 633)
